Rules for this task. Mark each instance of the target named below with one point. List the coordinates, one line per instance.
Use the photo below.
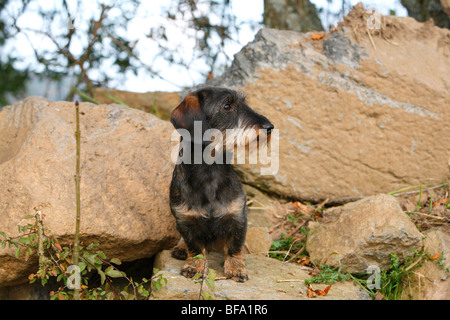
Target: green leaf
(197, 275)
(143, 291)
(25, 241)
(206, 295)
(102, 276)
(111, 272)
(124, 294)
(210, 279)
(82, 265)
(91, 258)
(3, 234)
(199, 256)
(101, 254)
(116, 261)
(13, 243)
(18, 252)
(157, 285)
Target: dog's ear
(189, 111)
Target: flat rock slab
(264, 283)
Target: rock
(125, 177)
(263, 284)
(158, 103)
(362, 234)
(27, 292)
(431, 281)
(258, 239)
(355, 118)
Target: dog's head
(219, 108)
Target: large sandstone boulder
(125, 177)
(357, 114)
(363, 234)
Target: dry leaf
(296, 204)
(442, 201)
(312, 293)
(58, 246)
(304, 261)
(317, 36)
(318, 214)
(302, 207)
(379, 296)
(323, 292)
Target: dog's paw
(179, 253)
(192, 267)
(235, 268)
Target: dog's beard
(243, 143)
(242, 135)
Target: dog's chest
(210, 194)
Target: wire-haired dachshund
(207, 199)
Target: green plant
(287, 245)
(207, 276)
(392, 279)
(327, 275)
(399, 277)
(55, 261)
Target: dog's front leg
(193, 264)
(234, 266)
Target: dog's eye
(227, 107)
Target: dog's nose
(268, 127)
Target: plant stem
(76, 243)
(40, 233)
